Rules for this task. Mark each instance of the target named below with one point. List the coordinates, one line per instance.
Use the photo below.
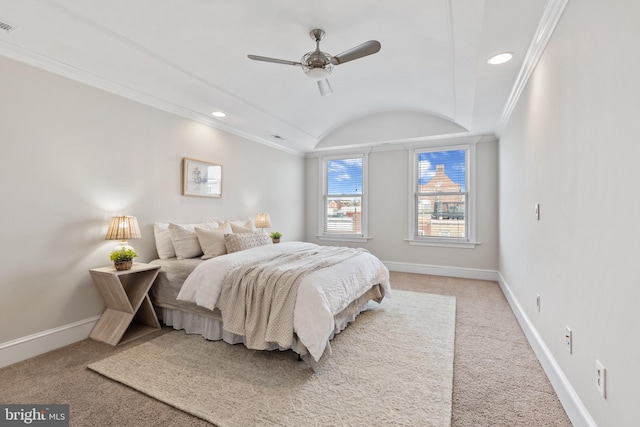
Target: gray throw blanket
(258, 299)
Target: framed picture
(201, 178)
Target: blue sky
(344, 176)
(453, 161)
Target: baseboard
(436, 270)
(26, 347)
(42, 342)
(577, 412)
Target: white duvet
(321, 295)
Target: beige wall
(73, 156)
(572, 146)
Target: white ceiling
(189, 57)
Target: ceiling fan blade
(365, 49)
(277, 61)
(325, 87)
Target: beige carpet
(497, 380)
(377, 375)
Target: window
(344, 197)
(442, 208)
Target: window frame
(324, 189)
(470, 199)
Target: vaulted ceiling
(429, 80)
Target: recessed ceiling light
(500, 58)
(218, 114)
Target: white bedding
(321, 295)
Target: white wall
(388, 216)
(572, 146)
(73, 156)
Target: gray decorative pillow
(242, 241)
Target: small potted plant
(275, 236)
(123, 258)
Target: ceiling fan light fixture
(317, 73)
(500, 58)
(317, 65)
(325, 87)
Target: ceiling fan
(317, 65)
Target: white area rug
(392, 366)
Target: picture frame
(201, 179)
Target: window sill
(343, 238)
(442, 243)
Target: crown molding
(550, 17)
(65, 70)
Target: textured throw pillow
(164, 246)
(185, 240)
(212, 241)
(242, 241)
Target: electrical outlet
(537, 207)
(601, 379)
(568, 337)
(538, 302)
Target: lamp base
(123, 245)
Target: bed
(325, 288)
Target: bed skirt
(211, 328)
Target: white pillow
(243, 241)
(185, 240)
(212, 241)
(164, 246)
(243, 226)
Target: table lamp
(123, 228)
(263, 221)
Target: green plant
(122, 255)
(276, 235)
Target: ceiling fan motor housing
(317, 65)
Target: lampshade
(263, 220)
(123, 228)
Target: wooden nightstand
(129, 314)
